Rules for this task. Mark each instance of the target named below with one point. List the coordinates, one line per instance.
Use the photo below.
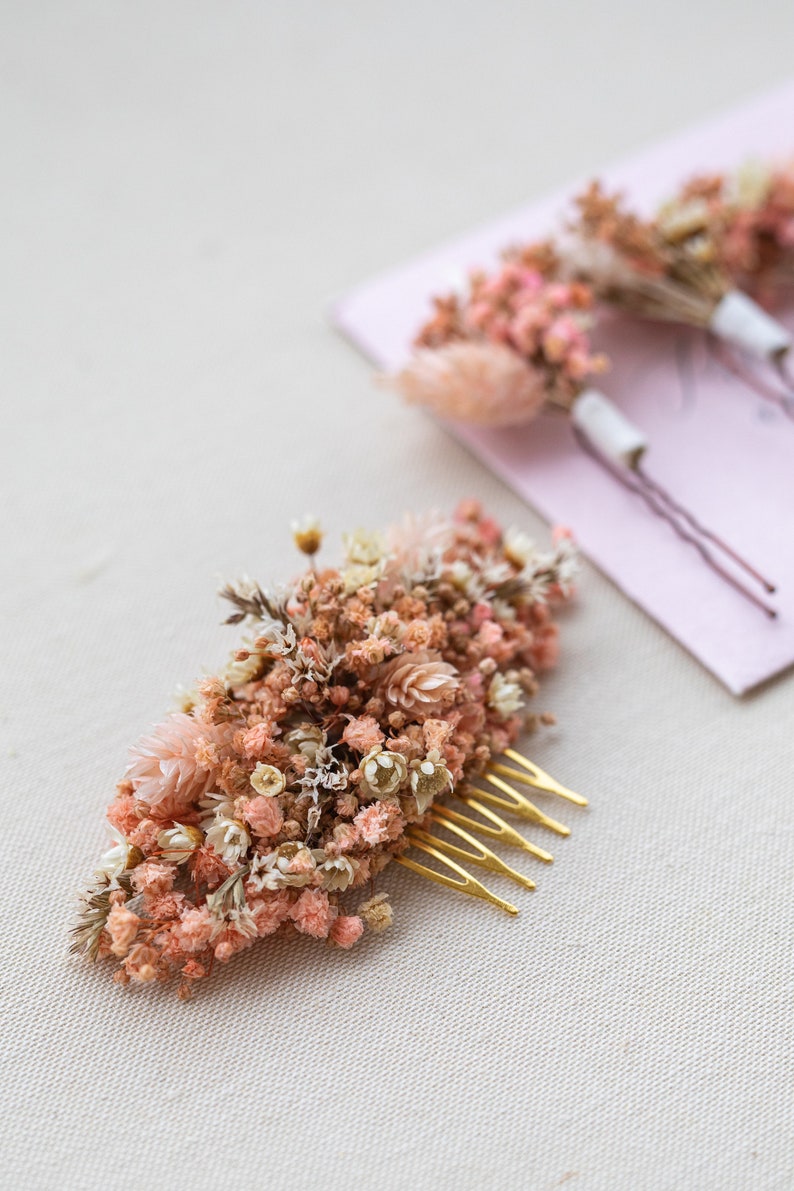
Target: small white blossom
(504, 697)
(364, 549)
(268, 780)
(382, 773)
(305, 739)
(179, 842)
(241, 921)
(275, 638)
(273, 871)
(229, 838)
(429, 778)
(518, 547)
(114, 862)
(338, 872)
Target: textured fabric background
(186, 185)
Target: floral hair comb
(361, 698)
(671, 268)
(517, 343)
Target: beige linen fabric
(186, 186)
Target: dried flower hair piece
(670, 268)
(361, 697)
(518, 343)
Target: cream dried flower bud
(364, 549)
(429, 778)
(179, 842)
(268, 780)
(338, 872)
(518, 547)
(308, 535)
(121, 856)
(229, 838)
(504, 697)
(382, 773)
(305, 739)
(377, 912)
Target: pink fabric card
(725, 453)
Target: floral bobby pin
(516, 343)
(369, 715)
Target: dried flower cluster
(285, 784)
(750, 218)
(516, 342)
(668, 267)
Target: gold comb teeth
(492, 826)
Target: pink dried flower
(313, 913)
(379, 822)
(263, 815)
(484, 383)
(195, 928)
(142, 963)
(122, 926)
(167, 769)
(346, 930)
(418, 682)
(153, 878)
(363, 734)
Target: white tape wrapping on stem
(741, 321)
(607, 429)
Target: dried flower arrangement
(518, 343)
(285, 784)
(674, 267)
(750, 219)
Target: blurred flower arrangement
(749, 215)
(515, 343)
(284, 785)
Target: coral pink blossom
(165, 767)
(195, 928)
(141, 963)
(122, 926)
(270, 912)
(238, 933)
(346, 930)
(207, 868)
(313, 913)
(153, 878)
(379, 822)
(363, 734)
(122, 814)
(263, 815)
(165, 906)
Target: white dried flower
(275, 638)
(749, 186)
(518, 547)
(338, 872)
(364, 549)
(240, 920)
(305, 739)
(179, 842)
(382, 773)
(119, 857)
(229, 838)
(290, 866)
(429, 779)
(268, 780)
(504, 697)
